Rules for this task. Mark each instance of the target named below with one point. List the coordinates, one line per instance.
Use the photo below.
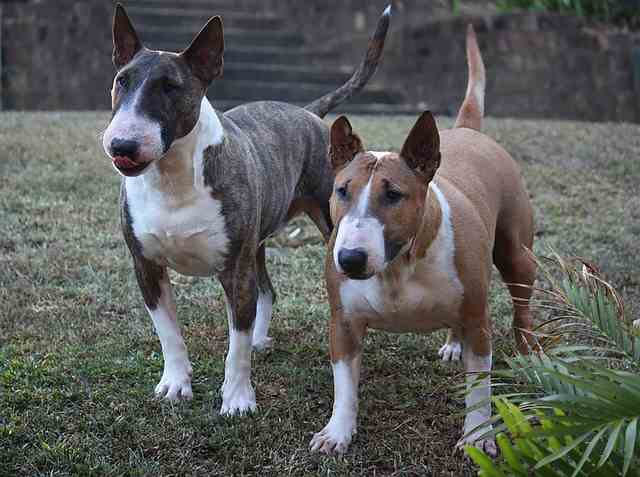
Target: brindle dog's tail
(472, 109)
(365, 71)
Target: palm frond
(572, 409)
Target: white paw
(335, 437)
(451, 351)
(262, 343)
(636, 324)
(175, 384)
(238, 398)
(488, 446)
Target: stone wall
(537, 66)
(56, 55)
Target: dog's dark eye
(122, 81)
(170, 87)
(342, 192)
(393, 196)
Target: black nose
(353, 260)
(124, 147)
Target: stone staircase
(264, 58)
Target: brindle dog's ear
(205, 53)
(344, 143)
(421, 150)
(125, 39)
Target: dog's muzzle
(124, 153)
(353, 262)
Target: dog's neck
(427, 233)
(181, 168)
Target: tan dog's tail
(472, 109)
(365, 71)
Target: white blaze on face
(130, 124)
(358, 230)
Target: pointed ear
(125, 39)
(421, 149)
(204, 54)
(344, 143)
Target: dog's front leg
(238, 396)
(476, 355)
(346, 357)
(176, 378)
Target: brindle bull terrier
(202, 191)
(412, 251)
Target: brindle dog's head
(156, 95)
(378, 198)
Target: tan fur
(472, 109)
(463, 207)
(486, 195)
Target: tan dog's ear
(205, 53)
(125, 39)
(344, 143)
(421, 150)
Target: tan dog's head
(378, 197)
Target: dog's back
(284, 147)
(479, 172)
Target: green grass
(79, 359)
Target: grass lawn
(79, 359)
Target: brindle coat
(269, 165)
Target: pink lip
(122, 162)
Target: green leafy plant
(573, 409)
(620, 11)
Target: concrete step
(283, 73)
(352, 106)
(297, 55)
(219, 5)
(292, 92)
(193, 19)
(232, 36)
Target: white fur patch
(365, 233)
(478, 91)
(238, 396)
(443, 247)
(129, 124)
(360, 295)
(176, 378)
(379, 154)
(480, 392)
(356, 230)
(264, 310)
(174, 216)
(450, 351)
(422, 297)
(337, 434)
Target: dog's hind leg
(316, 211)
(451, 350)
(321, 217)
(266, 300)
(518, 270)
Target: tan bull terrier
(416, 234)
